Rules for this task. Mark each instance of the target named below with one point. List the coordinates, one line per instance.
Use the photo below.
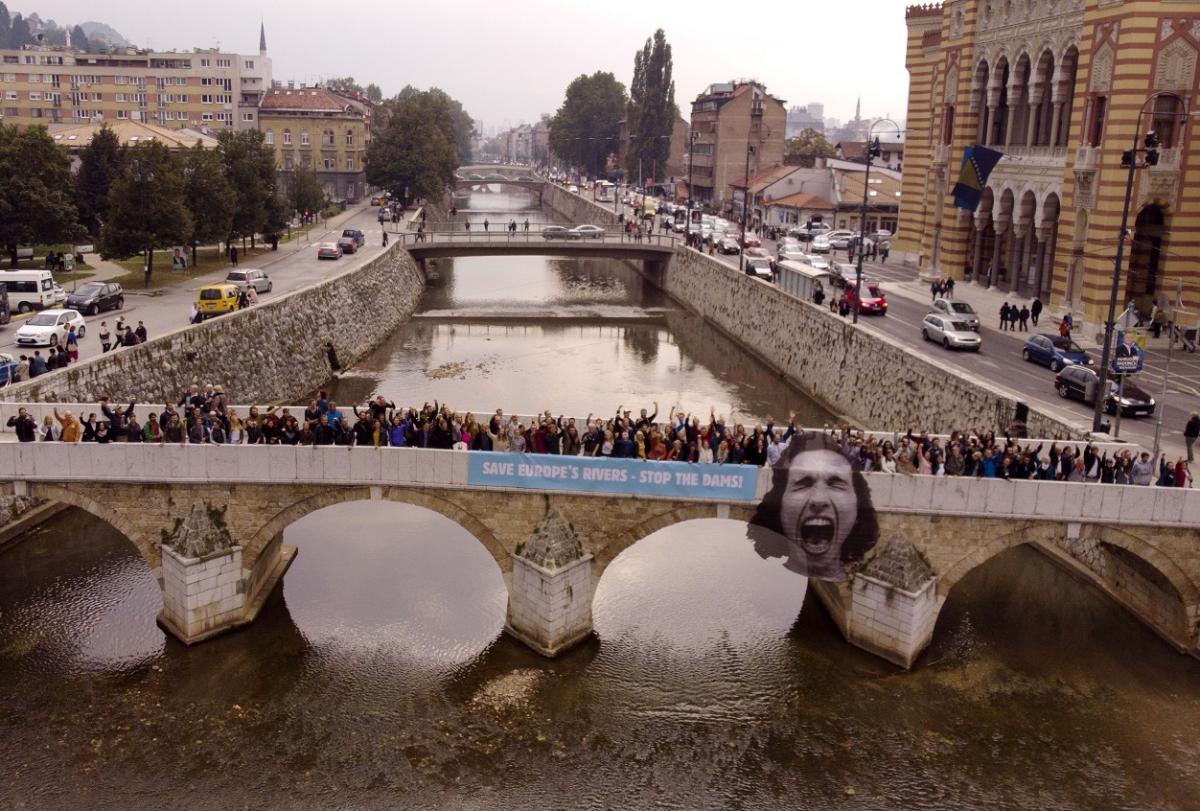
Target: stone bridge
(209, 522)
(536, 186)
(655, 250)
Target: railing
(499, 238)
(1037, 152)
(418, 467)
(1087, 158)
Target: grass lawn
(207, 260)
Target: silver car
(957, 310)
(949, 332)
(245, 279)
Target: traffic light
(874, 150)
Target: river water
(378, 676)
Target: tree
(413, 150)
(99, 167)
(147, 208)
(209, 198)
(805, 148)
(250, 170)
(586, 128)
(374, 94)
(345, 84)
(5, 25)
(79, 40)
(19, 33)
(455, 121)
(305, 193)
(36, 203)
(650, 118)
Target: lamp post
(691, 156)
(873, 150)
(745, 201)
(1130, 161)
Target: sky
(511, 62)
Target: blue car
(1055, 352)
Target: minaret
(262, 39)
(857, 106)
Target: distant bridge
(498, 241)
(470, 183)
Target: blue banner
(589, 474)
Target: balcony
(1087, 158)
(941, 154)
(1039, 153)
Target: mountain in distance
(105, 32)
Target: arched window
(287, 136)
(349, 137)
(304, 138)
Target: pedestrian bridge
(497, 241)
(209, 522)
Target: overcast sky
(511, 61)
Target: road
(999, 360)
(294, 266)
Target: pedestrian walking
(1004, 311)
(1023, 317)
(874, 251)
(1190, 432)
(949, 286)
(935, 289)
(1064, 326)
(385, 239)
(526, 225)
(1035, 310)
(141, 333)
(485, 224)
(72, 344)
(105, 337)
(233, 255)
(467, 224)
(884, 251)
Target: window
(204, 63)
(10, 77)
(206, 81)
(206, 116)
(247, 116)
(11, 95)
(349, 164)
(328, 163)
(122, 80)
(249, 64)
(170, 115)
(288, 163)
(304, 138)
(206, 99)
(270, 137)
(327, 138)
(223, 63)
(1096, 133)
(122, 114)
(35, 95)
(287, 136)
(121, 97)
(349, 137)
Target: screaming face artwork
(818, 513)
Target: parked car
(873, 299)
(360, 239)
(949, 333)
(958, 310)
(60, 295)
(760, 268)
(728, 245)
(588, 232)
(49, 328)
(1055, 351)
(250, 277)
(217, 299)
(329, 250)
(348, 244)
(558, 232)
(1080, 382)
(92, 297)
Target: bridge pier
(550, 589)
(208, 586)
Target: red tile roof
(304, 98)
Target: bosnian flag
(977, 164)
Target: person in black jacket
(24, 425)
(1190, 432)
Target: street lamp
(745, 201)
(1130, 160)
(691, 155)
(873, 151)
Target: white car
(588, 232)
(760, 268)
(60, 295)
(573, 190)
(49, 328)
(821, 244)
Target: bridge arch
(148, 547)
(621, 541)
(1176, 624)
(400, 495)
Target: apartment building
(728, 120)
(322, 130)
(203, 88)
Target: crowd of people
(27, 367)
(204, 416)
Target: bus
(603, 191)
(28, 290)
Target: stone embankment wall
(577, 209)
(853, 371)
(275, 351)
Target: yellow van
(216, 299)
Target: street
(999, 362)
(294, 266)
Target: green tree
(651, 115)
(79, 40)
(305, 192)
(250, 170)
(413, 150)
(147, 208)
(19, 33)
(344, 84)
(586, 128)
(36, 204)
(374, 94)
(209, 198)
(805, 148)
(99, 167)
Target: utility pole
(873, 151)
(745, 202)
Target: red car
(873, 299)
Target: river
(378, 676)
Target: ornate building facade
(1057, 86)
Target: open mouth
(815, 534)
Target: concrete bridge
(470, 183)
(209, 522)
(653, 249)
